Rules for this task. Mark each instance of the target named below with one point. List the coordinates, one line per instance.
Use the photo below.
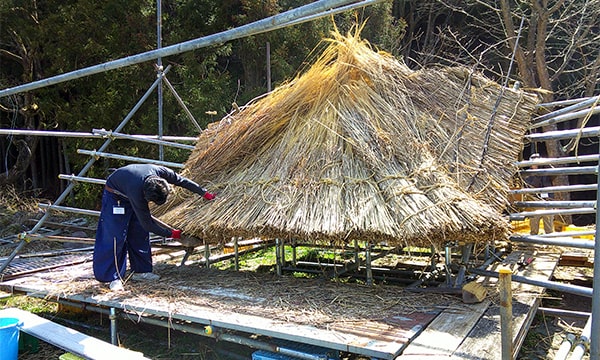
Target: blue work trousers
(120, 234)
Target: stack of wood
(360, 147)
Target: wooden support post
(505, 288)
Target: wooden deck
(383, 322)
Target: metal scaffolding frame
(575, 109)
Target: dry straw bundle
(359, 147)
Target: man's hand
(176, 234)
(208, 196)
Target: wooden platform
(383, 322)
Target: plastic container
(9, 338)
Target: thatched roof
(360, 147)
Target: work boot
(116, 285)
(148, 276)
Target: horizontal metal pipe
(568, 242)
(576, 170)
(117, 135)
(555, 204)
(74, 178)
(578, 105)
(295, 16)
(70, 134)
(553, 189)
(564, 134)
(571, 289)
(569, 234)
(69, 209)
(129, 158)
(563, 312)
(524, 214)
(559, 161)
(563, 102)
(566, 117)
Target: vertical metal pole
(368, 264)
(207, 254)
(268, 66)
(282, 252)
(294, 254)
(595, 333)
(278, 257)
(159, 72)
(506, 331)
(447, 261)
(113, 326)
(237, 253)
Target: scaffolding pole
(564, 134)
(595, 318)
(588, 102)
(71, 134)
(559, 161)
(554, 189)
(577, 170)
(554, 241)
(116, 135)
(97, 154)
(549, 204)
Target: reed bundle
(360, 147)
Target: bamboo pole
(296, 16)
(506, 316)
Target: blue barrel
(9, 338)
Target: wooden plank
(446, 332)
(483, 342)
(68, 339)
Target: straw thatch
(359, 147)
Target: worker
(540, 181)
(125, 221)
